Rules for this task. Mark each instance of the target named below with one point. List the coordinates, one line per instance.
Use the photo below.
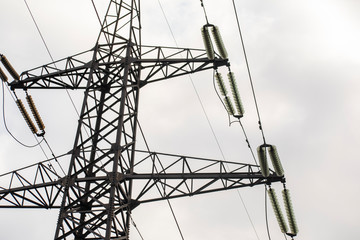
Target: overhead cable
(249, 73)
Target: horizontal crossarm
(75, 72)
(175, 176)
(160, 63)
(37, 186)
(158, 176)
(71, 73)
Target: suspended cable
(168, 24)
(203, 7)
(249, 73)
(157, 172)
(271, 149)
(48, 51)
(137, 229)
(223, 156)
(176, 221)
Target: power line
(48, 51)
(256, 103)
(167, 199)
(249, 73)
(203, 7)
(137, 229)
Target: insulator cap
(264, 167)
(229, 106)
(277, 210)
(207, 42)
(9, 68)
(26, 116)
(221, 84)
(274, 156)
(290, 212)
(3, 77)
(236, 95)
(35, 112)
(219, 42)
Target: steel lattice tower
(108, 176)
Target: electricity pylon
(107, 176)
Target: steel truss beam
(158, 176)
(157, 63)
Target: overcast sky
(304, 59)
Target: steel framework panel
(107, 176)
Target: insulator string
(238, 120)
(5, 124)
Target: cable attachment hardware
(275, 160)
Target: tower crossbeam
(39, 186)
(157, 63)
